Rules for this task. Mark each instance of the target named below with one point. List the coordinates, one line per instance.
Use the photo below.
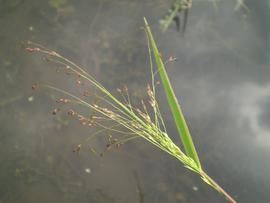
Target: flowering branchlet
(137, 122)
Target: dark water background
(221, 77)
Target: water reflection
(252, 110)
(221, 78)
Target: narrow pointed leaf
(173, 103)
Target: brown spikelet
(35, 86)
(55, 111)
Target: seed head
(35, 86)
(71, 112)
(55, 111)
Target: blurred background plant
(183, 6)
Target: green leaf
(173, 103)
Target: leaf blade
(173, 102)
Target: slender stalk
(218, 187)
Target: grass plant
(136, 122)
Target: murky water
(221, 77)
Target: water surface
(221, 78)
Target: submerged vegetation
(173, 15)
(129, 121)
(183, 6)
